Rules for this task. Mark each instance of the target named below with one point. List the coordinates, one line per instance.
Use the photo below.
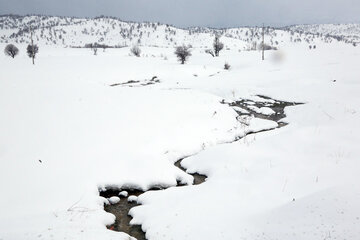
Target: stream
(245, 108)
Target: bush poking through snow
(136, 51)
(182, 53)
(209, 51)
(11, 50)
(267, 47)
(32, 50)
(227, 66)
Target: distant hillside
(349, 33)
(77, 32)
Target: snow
(266, 111)
(262, 110)
(89, 135)
(132, 198)
(239, 109)
(114, 200)
(123, 194)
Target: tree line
(182, 52)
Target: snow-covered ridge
(76, 32)
(349, 33)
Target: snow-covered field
(65, 133)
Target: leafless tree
(95, 50)
(11, 50)
(136, 51)
(182, 53)
(32, 50)
(218, 46)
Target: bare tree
(11, 50)
(218, 46)
(32, 50)
(95, 50)
(182, 53)
(136, 51)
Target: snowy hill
(77, 32)
(349, 33)
(74, 125)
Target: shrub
(11, 50)
(227, 66)
(136, 51)
(182, 53)
(267, 47)
(209, 51)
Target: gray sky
(184, 13)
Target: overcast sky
(184, 13)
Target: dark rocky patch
(277, 106)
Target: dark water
(122, 208)
(277, 106)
